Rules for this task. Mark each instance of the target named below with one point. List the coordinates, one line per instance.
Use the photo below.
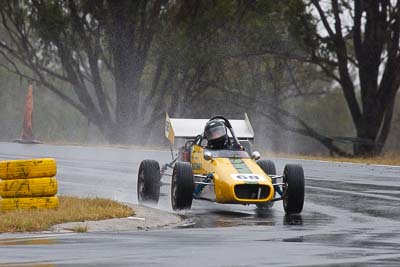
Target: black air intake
(251, 191)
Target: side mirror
(255, 155)
(208, 155)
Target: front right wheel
(293, 188)
(182, 186)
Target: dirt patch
(145, 218)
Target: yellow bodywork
(225, 172)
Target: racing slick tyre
(293, 188)
(182, 186)
(269, 168)
(149, 182)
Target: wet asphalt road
(351, 218)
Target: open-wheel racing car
(216, 165)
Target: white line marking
(354, 193)
(340, 162)
(137, 218)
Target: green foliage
(49, 20)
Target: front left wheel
(149, 182)
(182, 186)
(293, 188)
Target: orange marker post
(27, 131)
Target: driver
(216, 134)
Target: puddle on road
(293, 219)
(295, 239)
(215, 218)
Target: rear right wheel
(182, 186)
(267, 166)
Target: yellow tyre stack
(28, 184)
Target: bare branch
(323, 17)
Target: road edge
(145, 218)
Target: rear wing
(190, 128)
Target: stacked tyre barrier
(28, 184)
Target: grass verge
(71, 209)
(386, 159)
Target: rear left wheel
(149, 182)
(182, 186)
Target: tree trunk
(121, 26)
(375, 40)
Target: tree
(237, 52)
(127, 62)
(80, 43)
(357, 44)
(259, 71)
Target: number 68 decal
(247, 177)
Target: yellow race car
(223, 171)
